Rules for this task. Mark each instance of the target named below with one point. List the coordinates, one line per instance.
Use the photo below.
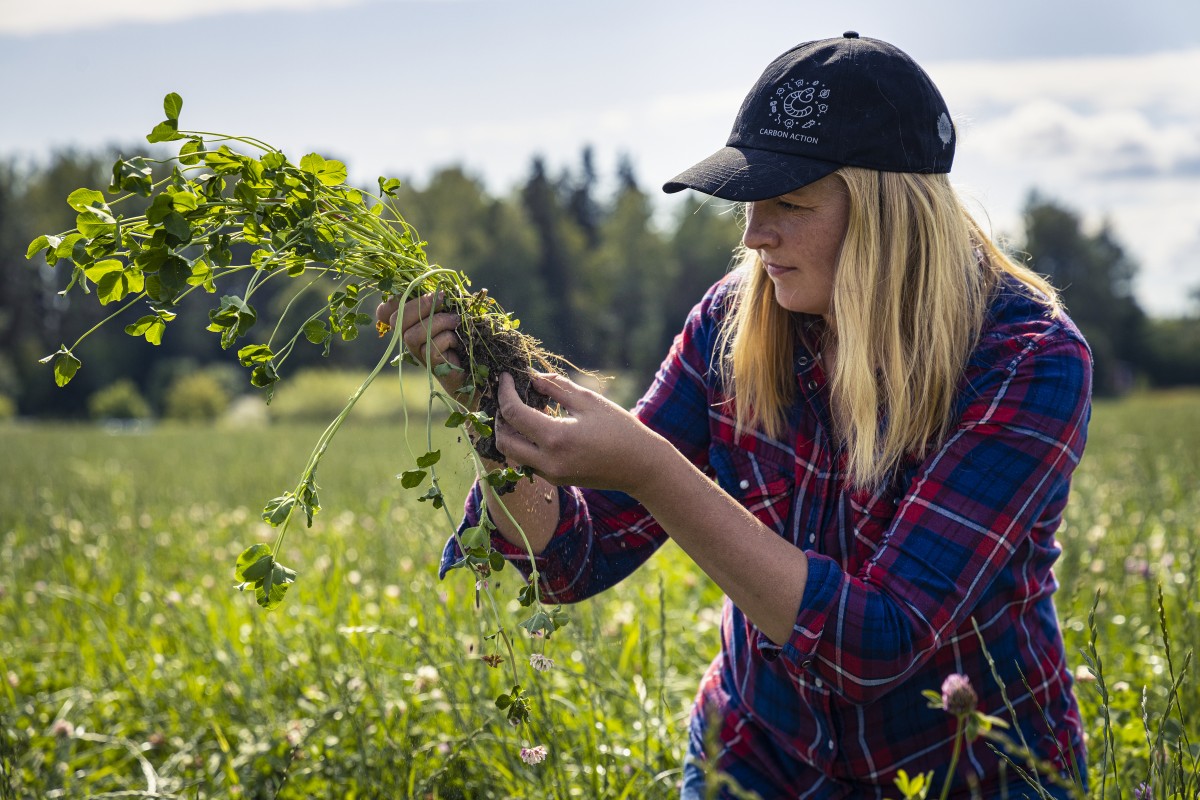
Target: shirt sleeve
(601, 536)
(973, 504)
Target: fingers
(386, 312)
(430, 337)
(519, 428)
(436, 349)
(521, 418)
(419, 309)
(560, 389)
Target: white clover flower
(533, 755)
(540, 662)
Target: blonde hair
(911, 288)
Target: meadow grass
(131, 666)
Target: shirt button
(802, 361)
(806, 663)
(745, 484)
(812, 385)
(812, 537)
(818, 683)
(831, 744)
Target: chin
(797, 302)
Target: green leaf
(65, 367)
(185, 201)
(411, 479)
(115, 286)
(172, 105)
(330, 173)
(278, 509)
(177, 228)
(309, 500)
(235, 316)
(159, 208)
(433, 496)
(264, 376)
(165, 131)
(316, 331)
(132, 175)
(273, 160)
(429, 459)
(171, 278)
(255, 354)
(248, 564)
(152, 327)
(98, 270)
(202, 275)
(388, 186)
(86, 200)
(540, 621)
(473, 538)
(189, 152)
(66, 245)
(270, 591)
(223, 161)
(41, 243)
(91, 224)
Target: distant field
(132, 667)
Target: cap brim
(744, 174)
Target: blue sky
(1096, 104)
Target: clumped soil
(488, 343)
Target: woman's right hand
(428, 334)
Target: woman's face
(798, 236)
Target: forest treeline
(601, 277)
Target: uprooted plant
(300, 222)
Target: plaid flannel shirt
(897, 577)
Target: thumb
(559, 388)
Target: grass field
(131, 667)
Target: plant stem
(319, 450)
(958, 737)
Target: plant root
(493, 346)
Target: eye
(788, 206)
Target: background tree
(1095, 277)
(706, 235)
(606, 281)
(561, 243)
(491, 240)
(628, 278)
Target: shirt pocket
(872, 515)
(763, 485)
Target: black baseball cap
(848, 101)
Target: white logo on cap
(799, 102)
(945, 129)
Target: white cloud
(1116, 139)
(1106, 143)
(25, 18)
(1163, 82)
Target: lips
(775, 270)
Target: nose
(760, 234)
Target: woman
(864, 435)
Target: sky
(1095, 104)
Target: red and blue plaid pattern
(896, 576)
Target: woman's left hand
(595, 444)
